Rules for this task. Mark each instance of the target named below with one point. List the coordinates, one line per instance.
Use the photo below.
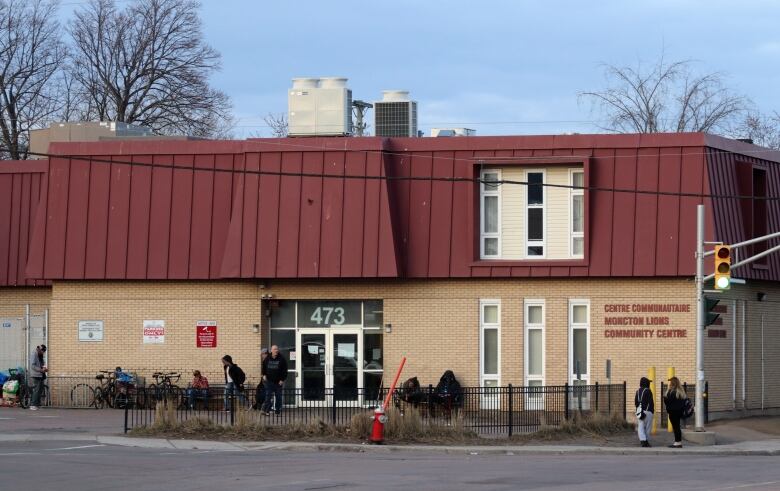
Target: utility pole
(359, 109)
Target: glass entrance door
(330, 358)
(314, 364)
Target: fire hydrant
(378, 430)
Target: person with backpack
(645, 407)
(274, 374)
(234, 381)
(260, 390)
(677, 402)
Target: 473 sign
(326, 314)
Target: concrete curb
(762, 448)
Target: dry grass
(597, 426)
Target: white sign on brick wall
(90, 331)
(154, 332)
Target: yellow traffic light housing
(722, 267)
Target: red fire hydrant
(378, 430)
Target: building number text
(324, 316)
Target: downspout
(744, 369)
(734, 354)
(27, 338)
(762, 362)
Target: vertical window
(534, 343)
(759, 212)
(490, 344)
(577, 214)
(535, 216)
(579, 341)
(490, 214)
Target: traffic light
(722, 267)
(710, 315)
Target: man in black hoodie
(645, 407)
(234, 381)
(274, 373)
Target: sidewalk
(105, 427)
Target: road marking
(74, 448)
(7, 418)
(19, 453)
(751, 485)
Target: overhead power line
(323, 175)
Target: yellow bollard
(651, 376)
(670, 374)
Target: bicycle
(165, 388)
(84, 395)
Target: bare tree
(278, 124)
(149, 64)
(31, 54)
(762, 129)
(666, 97)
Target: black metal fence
(495, 411)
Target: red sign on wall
(206, 334)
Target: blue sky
(502, 67)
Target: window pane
(535, 224)
(490, 314)
(535, 190)
(372, 313)
(578, 246)
(490, 218)
(372, 351)
(578, 179)
(285, 340)
(535, 314)
(282, 314)
(535, 352)
(577, 212)
(490, 360)
(580, 314)
(491, 247)
(534, 383)
(536, 251)
(490, 383)
(580, 348)
(490, 176)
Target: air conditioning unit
(395, 114)
(319, 107)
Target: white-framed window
(490, 342)
(579, 340)
(490, 214)
(490, 353)
(535, 220)
(533, 353)
(577, 213)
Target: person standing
(274, 373)
(38, 375)
(234, 381)
(674, 399)
(260, 390)
(645, 408)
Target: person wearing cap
(37, 374)
(645, 407)
(260, 390)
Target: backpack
(240, 376)
(687, 411)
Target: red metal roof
(213, 216)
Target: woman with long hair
(674, 399)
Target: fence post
(126, 411)
(706, 402)
(597, 397)
(625, 400)
(430, 400)
(511, 411)
(333, 408)
(566, 401)
(232, 407)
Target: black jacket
(674, 404)
(275, 369)
(648, 404)
(235, 373)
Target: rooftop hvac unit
(395, 114)
(320, 107)
(452, 132)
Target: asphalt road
(88, 466)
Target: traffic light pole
(699, 403)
